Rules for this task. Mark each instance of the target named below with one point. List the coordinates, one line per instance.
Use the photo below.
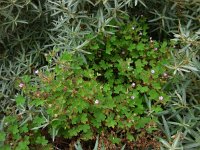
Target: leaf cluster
(71, 99)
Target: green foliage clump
(115, 95)
(29, 28)
(130, 56)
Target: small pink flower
(123, 52)
(21, 85)
(152, 71)
(161, 98)
(156, 49)
(96, 101)
(132, 97)
(133, 84)
(36, 71)
(165, 74)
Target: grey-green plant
(181, 116)
(24, 31)
(180, 20)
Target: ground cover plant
(115, 95)
(29, 29)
